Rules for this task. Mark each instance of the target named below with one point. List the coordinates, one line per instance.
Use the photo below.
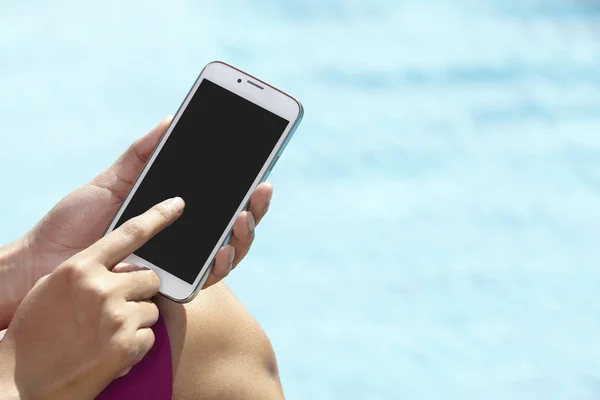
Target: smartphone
(224, 140)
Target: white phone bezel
(254, 90)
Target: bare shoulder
(219, 350)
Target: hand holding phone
(83, 324)
(223, 141)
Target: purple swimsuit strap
(151, 378)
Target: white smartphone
(224, 140)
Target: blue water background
(435, 228)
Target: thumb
(142, 148)
(119, 178)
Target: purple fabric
(151, 378)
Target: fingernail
(231, 257)
(270, 195)
(268, 201)
(126, 267)
(251, 223)
(177, 204)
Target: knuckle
(117, 318)
(126, 348)
(134, 229)
(83, 278)
(163, 210)
(72, 270)
(100, 289)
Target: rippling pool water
(434, 232)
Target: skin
(83, 324)
(218, 350)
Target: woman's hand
(83, 325)
(81, 218)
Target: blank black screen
(211, 159)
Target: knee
(219, 350)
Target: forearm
(14, 279)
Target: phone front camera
(239, 81)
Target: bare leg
(219, 351)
